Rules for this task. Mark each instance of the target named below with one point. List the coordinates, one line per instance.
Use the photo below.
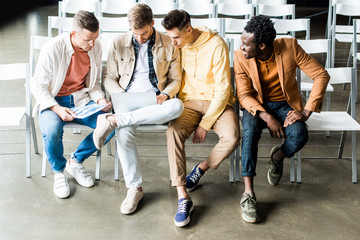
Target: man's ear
(262, 46)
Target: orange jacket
(288, 55)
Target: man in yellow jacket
(208, 98)
(268, 93)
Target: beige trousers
(226, 127)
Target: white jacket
(51, 69)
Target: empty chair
(232, 1)
(11, 116)
(289, 27)
(194, 8)
(62, 24)
(269, 2)
(216, 24)
(71, 7)
(111, 26)
(116, 7)
(160, 7)
(284, 11)
(235, 10)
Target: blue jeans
(296, 135)
(52, 129)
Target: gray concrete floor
(325, 206)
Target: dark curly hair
(177, 18)
(262, 28)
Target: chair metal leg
(116, 165)
(237, 164)
(231, 167)
(298, 174)
(33, 132)
(353, 158)
(43, 165)
(28, 147)
(292, 169)
(98, 165)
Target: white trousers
(125, 134)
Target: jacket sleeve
(174, 74)
(112, 77)
(41, 81)
(96, 92)
(315, 71)
(244, 88)
(221, 73)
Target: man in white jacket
(67, 76)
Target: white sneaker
(78, 171)
(131, 201)
(61, 186)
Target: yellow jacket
(206, 75)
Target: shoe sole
(249, 220)
(186, 221)
(128, 213)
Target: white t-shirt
(140, 81)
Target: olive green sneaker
(248, 208)
(276, 168)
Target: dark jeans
(296, 135)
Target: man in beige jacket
(142, 60)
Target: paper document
(85, 111)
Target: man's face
(143, 34)
(249, 48)
(84, 39)
(178, 37)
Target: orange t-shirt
(269, 79)
(76, 73)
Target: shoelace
(250, 202)
(275, 167)
(183, 206)
(130, 195)
(195, 176)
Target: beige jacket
(121, 64)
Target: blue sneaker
(182, 217)
(193, 178)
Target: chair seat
(307, 86)
(11, 116)
(153, 127)
(332, 121)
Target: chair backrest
(17, 71)
(160, 7)
(116, 7)
(197, 1)
(284, 11)
(62, 24)
(113, 25)
(284, 26)
(216, 24)
(157, 24)
(197, 9)
(340, 75)
(235, 10)
(269, 2)
(232, 1)
(235, 26)
(36, 43)
(71, 7)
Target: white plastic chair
(73, 6)
(160, 7)
(116, 7)
(337, 120)
(269, 2)
(232, 1)
(284, 11)
(36, 43)
(235, 10)
(12, 116)
(111, 26)
(194, 8)
(289, 27)
(62, 24)
(216, 24)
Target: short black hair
(262, 28)
(177, 18)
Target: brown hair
(177, 18)
(139, 16)
(85, 20)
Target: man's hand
(66, 114)
(199, 135)
(161, 98)
(294, 116)
(103, 101)
(274, 126)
